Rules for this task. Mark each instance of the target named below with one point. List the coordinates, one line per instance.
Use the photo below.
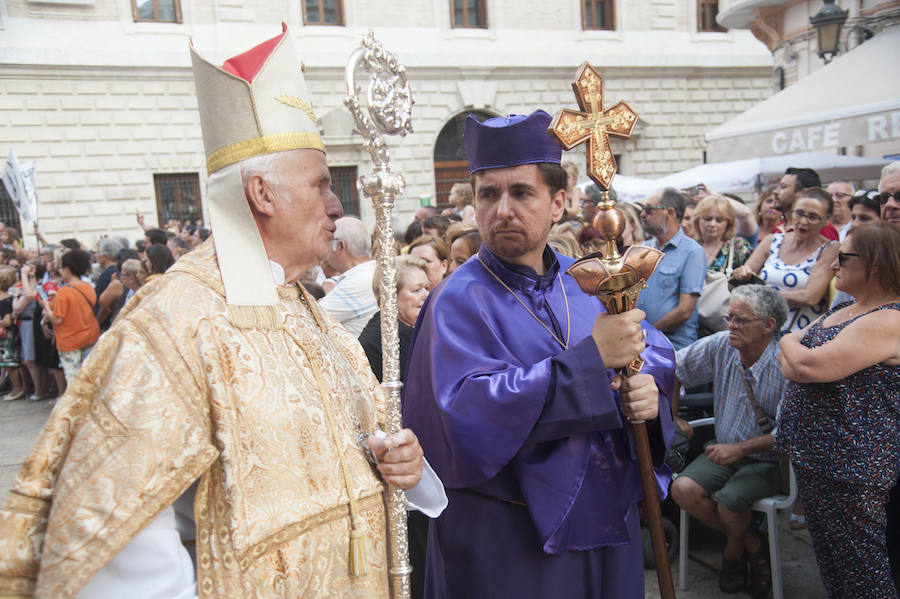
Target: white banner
(19, 183)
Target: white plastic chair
(767, 505)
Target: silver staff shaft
(389, 103)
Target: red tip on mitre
(247, 65)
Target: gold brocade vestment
(174, 392)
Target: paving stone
(21, 421)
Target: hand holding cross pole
(615, 279)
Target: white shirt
(843, 229)
(352, 302)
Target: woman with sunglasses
(864, 209)
(798, 262)
(840, 416)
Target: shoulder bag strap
(823, 247)
(761, 418)
(793, 320)
(83, 295)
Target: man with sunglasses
(589, 202)
(889, 196)
(670, 300)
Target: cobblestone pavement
(21, 421)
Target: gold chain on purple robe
(539, 321)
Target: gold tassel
(358, 556)
(254, 317)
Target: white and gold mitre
(255, 104)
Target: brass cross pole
(615, 279)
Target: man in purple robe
(511, 392)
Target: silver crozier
(387, 112)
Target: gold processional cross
(615, 279)
(593, 124)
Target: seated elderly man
(738, 466)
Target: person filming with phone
(71, 312)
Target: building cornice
(423, 73)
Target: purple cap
(510, 141)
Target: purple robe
(541, 474)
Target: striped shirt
(712, 359)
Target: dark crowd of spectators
(56, 301)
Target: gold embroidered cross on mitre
(593, 124)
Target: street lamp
(828, 23)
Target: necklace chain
(565, 345)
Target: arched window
(450, 164)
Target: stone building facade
(784, 27)
(104, 103)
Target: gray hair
(765, 302)
(354, 233)
(110, 247)
(672, 198)
(593, 193)
(889, 168)
(132, 266)
(267, 165)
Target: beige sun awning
(854, 100)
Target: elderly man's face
(841, 192)
(515, 210)
(890, 211)
(305, 208)
(746, 331)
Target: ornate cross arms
(388, 99)
(593, 124)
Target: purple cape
(504, 412)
